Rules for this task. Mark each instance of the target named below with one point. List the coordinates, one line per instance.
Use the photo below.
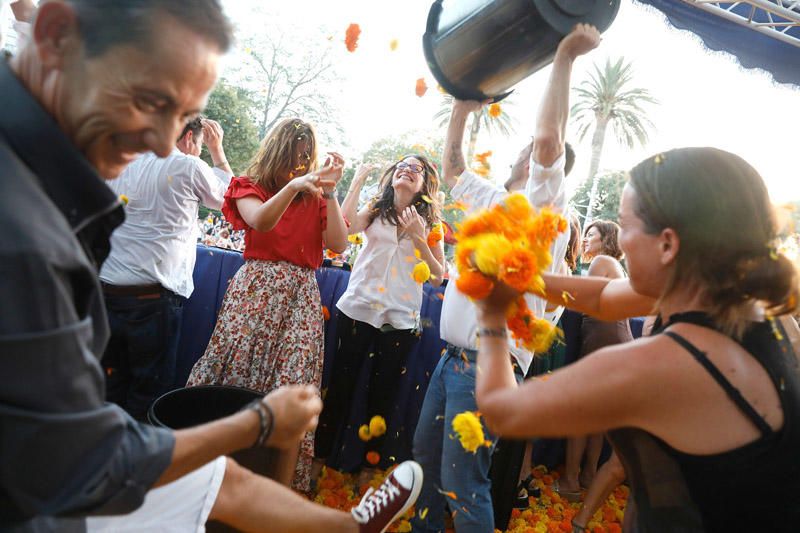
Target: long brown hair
(574, 243)
(719, 207)
(428, 207)
(277, 158)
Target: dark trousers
(356, 342)
(140, 358)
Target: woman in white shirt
(380, 308)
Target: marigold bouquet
(510, 243)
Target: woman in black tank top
(705, 413)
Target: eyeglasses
(413, 167)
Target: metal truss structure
(779, 19)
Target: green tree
(232, 107)
(502, 124)
(607, 99)
(606, 202)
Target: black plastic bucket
(192, 406)
(480, 49)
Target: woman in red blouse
(270, 328)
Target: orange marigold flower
(351, 37)
(421, 88)
(363, 433)
(494, 110)
(326, 315)
(373, 458)
(518, 269)
(474, 284)
(436, 234)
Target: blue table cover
(216, 267)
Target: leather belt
(151, 290)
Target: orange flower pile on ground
(510, 243)
(351, 37)
(340, 491)
(548, 513)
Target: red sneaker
(398, 492)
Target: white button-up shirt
(545, 187)
(157, 242)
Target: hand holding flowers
(501, 254)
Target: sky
(706, 98)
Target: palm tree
(503, 123)
(606, 99)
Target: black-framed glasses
(413, 167)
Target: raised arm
(212, 137)
(551, 123)
(453, 163)
(358, 220)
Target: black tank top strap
(732, 392)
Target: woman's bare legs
(609, 477)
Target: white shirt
(381, 289)
(157, 241)
(545, 187)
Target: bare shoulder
(605, 266)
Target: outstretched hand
(582, 39)
(311, 184)
(296, 410)
(412, 223)
(331, 171)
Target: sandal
(572, 496)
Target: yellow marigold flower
(490, 249)
(363, 433)
(495, 110)
(123, 199)
(356, 238)
(468, 427)
(421, 272)
(518, 206)
(377, 426)
(404, 526)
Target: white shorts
(179, 507)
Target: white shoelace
(373, 500)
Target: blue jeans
(447, 466)
(140, 358)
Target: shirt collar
(65, 175)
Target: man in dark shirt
(98, 82)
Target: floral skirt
(269, 333)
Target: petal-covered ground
(548, 513)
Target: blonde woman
(269, 330)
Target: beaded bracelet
(491, 332)
(266, 420)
